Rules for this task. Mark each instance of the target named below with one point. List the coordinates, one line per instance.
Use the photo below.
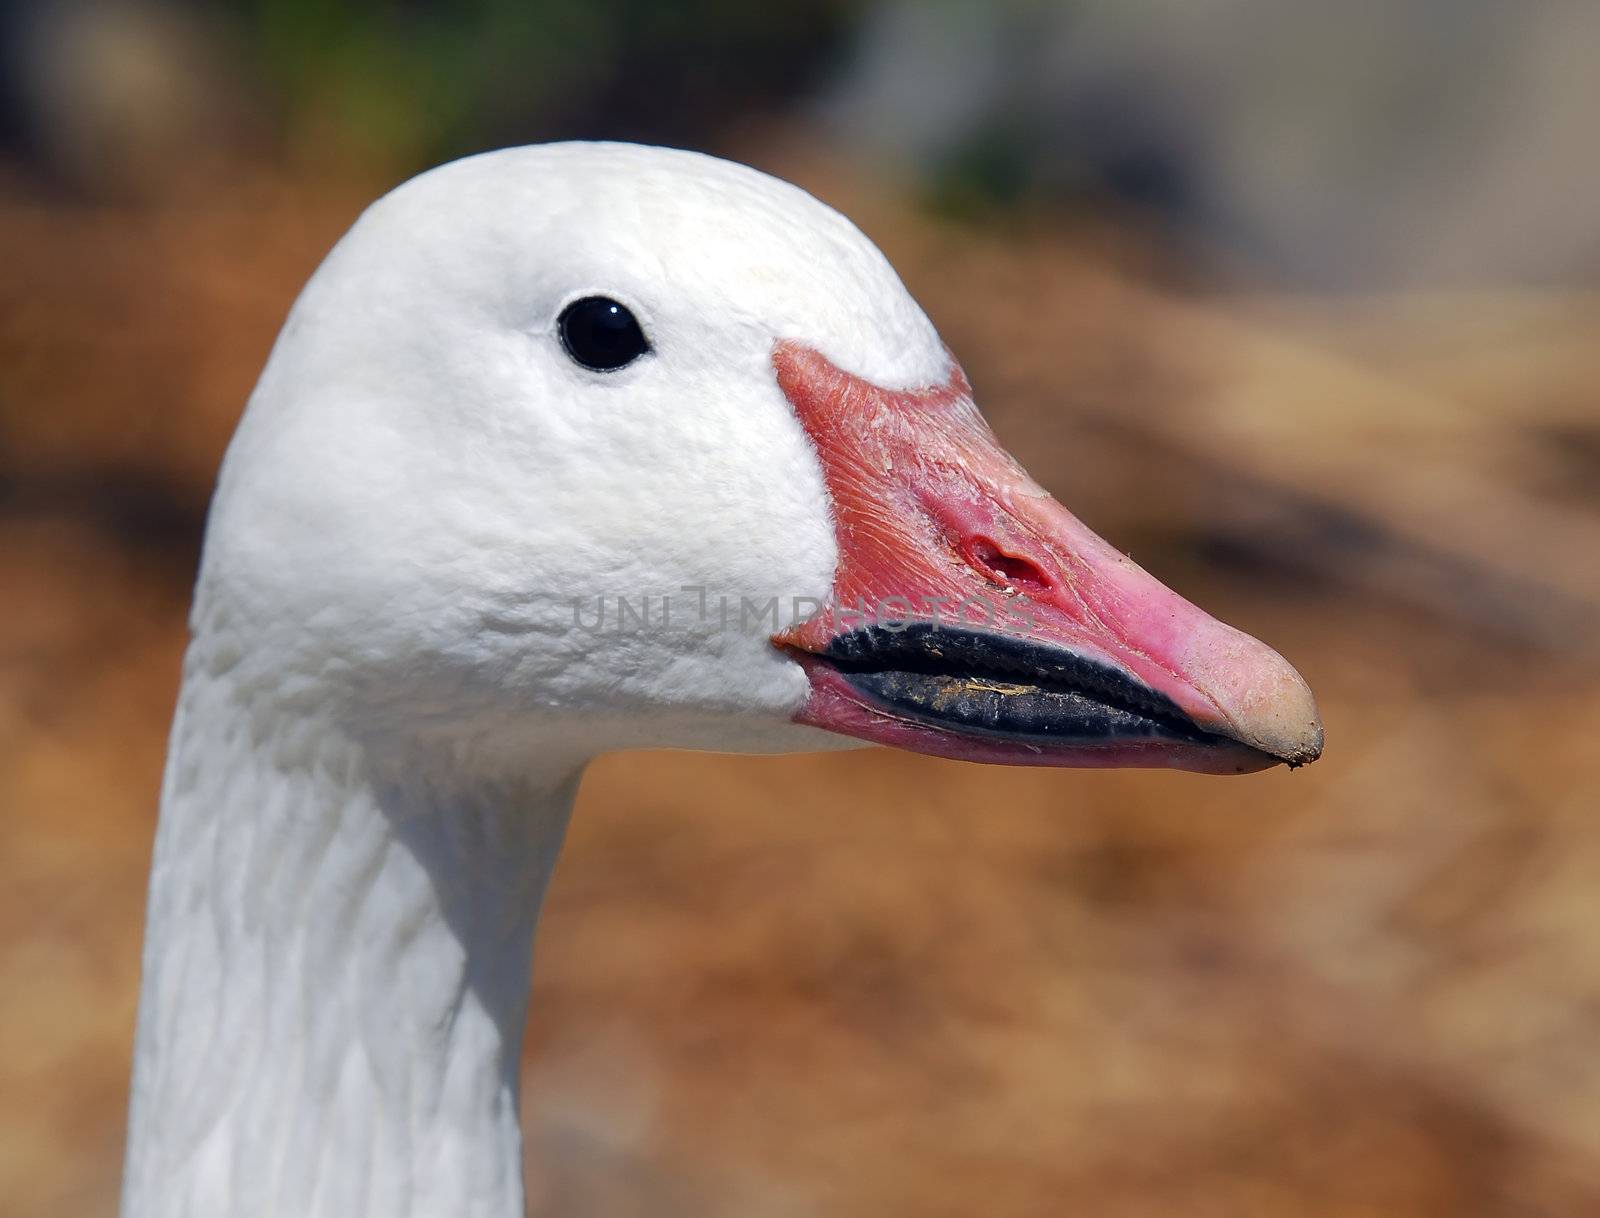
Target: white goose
(525, 382)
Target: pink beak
(974, 617)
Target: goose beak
(972, 616)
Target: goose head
(593, 446)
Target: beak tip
(1263, 702)
(1285, 724)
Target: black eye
(601, 334)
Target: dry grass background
(873, 984)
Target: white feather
(388, 698)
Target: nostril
(1011, 570)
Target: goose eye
(601, 334)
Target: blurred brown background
(1294, 301)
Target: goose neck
(336, 967)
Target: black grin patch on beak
(998, 685)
